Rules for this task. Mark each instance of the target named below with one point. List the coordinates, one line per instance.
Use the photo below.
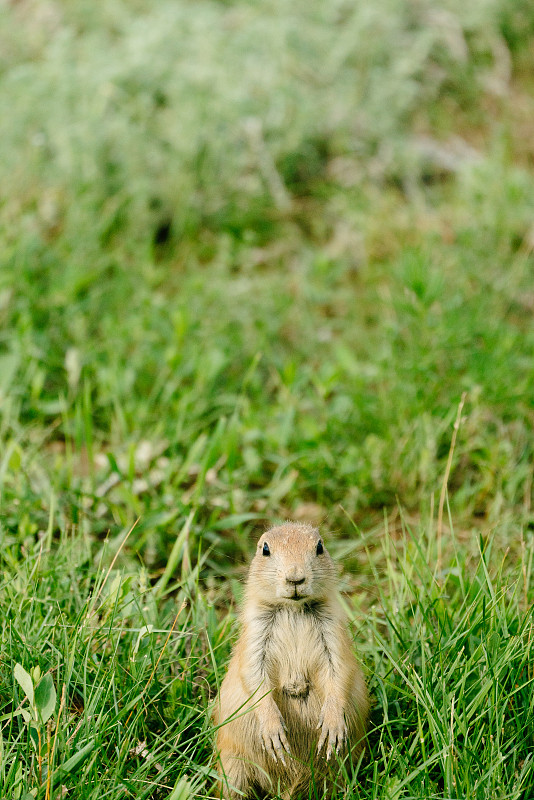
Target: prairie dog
(294, 692)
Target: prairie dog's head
(291, 566)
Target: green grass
(449, 665)
(253, 255)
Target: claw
(283, 740)
(331, 741)
(280, 751)
(272, 730)
(270, 749)
(334, 737)
(275, 745)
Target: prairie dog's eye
(320, 548)
(266, 551)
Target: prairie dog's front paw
(333, 728)
(272, 732)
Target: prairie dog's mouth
(296, 595)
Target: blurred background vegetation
(252, 255)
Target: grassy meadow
(259, 261)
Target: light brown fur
(294, 693)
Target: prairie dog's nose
(295, 582)
(296, 577)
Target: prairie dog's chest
(295, 645)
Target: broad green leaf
(18, 780)
(113, 591)
(233, 520)
(15, 459)
(181, 791)
(393, 789)
(146, 630)
(22, 677)
(76, 760)
(34, 736)
(45, 697)
(175, 555)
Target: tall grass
(448, 658)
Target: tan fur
(294, 693)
